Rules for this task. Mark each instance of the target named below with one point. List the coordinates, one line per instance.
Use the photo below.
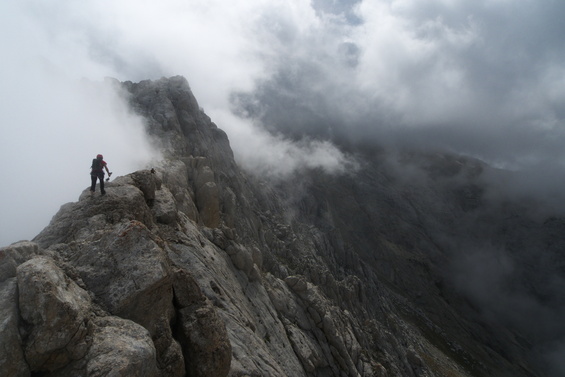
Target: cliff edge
(195, 267)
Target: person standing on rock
(97, 173)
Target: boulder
(14, 255)
(129, 274)
(56, 312)
(121, 348)
(148, 183)
(12, 359)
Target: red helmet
(99, 157)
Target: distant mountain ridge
(203, 269)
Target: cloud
(516, 295)
(54, 122)
(482, 78)
(277, 157)
(289, 80)
(53, 129)
(467, 76)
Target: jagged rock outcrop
(196, 268)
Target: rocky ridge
(200, 269)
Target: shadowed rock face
(201, 269)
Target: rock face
(200, 269)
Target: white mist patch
(262, 153)
(49, 141)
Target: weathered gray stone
(175, 177)
(204, 175)
(121, 348)
(242, 259)
(12, 359)
(214, 272)
(208, 204)
(148, 183)
(164, 207)
(14, 255)
(129, 275)
(297, 283)
(203, 335)
(126, 270)
(307, 349)
(57, 311)
(91, 218)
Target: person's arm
(107, 171)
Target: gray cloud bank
(484, 78)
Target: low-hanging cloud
(482, 78)
(515, 295)
(276, 156)
(54, 121)
(289, 81)
(50, 136)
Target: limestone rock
(297, 283)
(14, 255)
(241, 258)
(175, 178)
(126, 270)
(148, 183)
(56, 309)
(207, 349)
(121, 348)
(164, 207)
(129, 275)
(201, 268)
(90, 218)
(307, 349)
(208, 203)
(12, 359)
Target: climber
(97, 173)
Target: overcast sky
(484, 77)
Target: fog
(521, 291)
(292, 82)
(52, 129)
(482, 78)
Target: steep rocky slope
(199, 268)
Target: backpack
(96, 165)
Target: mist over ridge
(414, 247)
(484, 79)
(299, 85)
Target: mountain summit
(196, 267)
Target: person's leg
(93, 180)
(102, 191)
